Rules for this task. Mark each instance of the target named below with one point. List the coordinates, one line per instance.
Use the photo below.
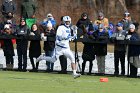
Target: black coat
(22, 32)
(51, 38)
(88, 52)
(35, 46)
(8, 48)
(101, 47)
(83, 22)
(8, 7)
(134, 50)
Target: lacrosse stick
(74, 29)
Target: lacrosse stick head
(74, 28)
(74, 31)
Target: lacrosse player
(63, 36)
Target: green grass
(18, 82)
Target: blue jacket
(52, 21)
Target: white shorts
(65, 51)
(58, 52)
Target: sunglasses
(7, 29)
(22, 21)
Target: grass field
(20, 82)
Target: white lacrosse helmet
(66, 18)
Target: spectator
(49, 18)
(8, 8)
(8, 47)
(49, 44)
(83, 24)
(22, 43)
(88, 52)
(35, 46)
(126, 21)
(119, 49)
(101, 36)
(28, 9)
(111, 29)
(133, 51)
(102, 20)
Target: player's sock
(74, 72)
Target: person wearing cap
(102, 20)
(8, 48)
(28, 9)
(88, 51)
(22, 31)
(101, 36)
(49, 18)
(119, 49)
(49, 44)
(126, 21)
(82, 24)
(133, 51)
(35, 46)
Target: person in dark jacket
(88, 51)
(49, 37)
(82, 23)
(101, 36)
(8, 47)
(22, 31)
(119, 49)
(126, 21)
(8, 8)
(28, 9)
(133, 51)
(35, 46)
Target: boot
(83, 67)
(9, 67)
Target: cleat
(76, 75)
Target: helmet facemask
(67, 20)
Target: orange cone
(103, 79)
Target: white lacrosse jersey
(63, 36)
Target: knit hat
(101, 14)
(49, 15)
(84, 14)
(6, 26)
(132, 26)
(22, 19)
